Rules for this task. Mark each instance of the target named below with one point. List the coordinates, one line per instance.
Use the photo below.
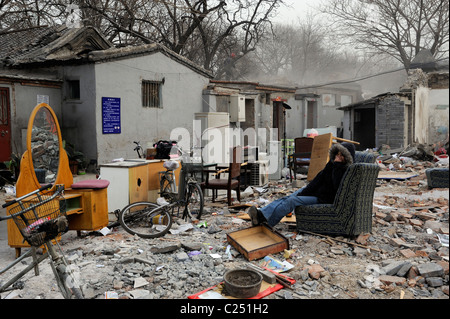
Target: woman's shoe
(255, 215)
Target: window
(73, 91)
(328, 99)
(151, 94)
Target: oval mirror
(44, 145)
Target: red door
(5, 126)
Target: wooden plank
(396, 175)
(344, 140)
(319, 154)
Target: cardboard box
(257, 242)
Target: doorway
(311, 113)
(5, 126)
(364, 128)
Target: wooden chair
(230, 183)
(351, 212)
(302, 154)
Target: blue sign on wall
(111, 115)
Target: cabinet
(133, 181)
(86, 209)
(128, 183)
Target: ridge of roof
(140, 50)
(53, 43)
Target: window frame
(70, 90)
(149, 90)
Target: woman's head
(344, 151)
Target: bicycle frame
(34, 264)
(57, 260)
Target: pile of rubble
(405, 256)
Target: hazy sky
(295, 9)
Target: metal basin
(242, 283)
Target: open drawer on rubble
(257, 242)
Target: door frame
(5, 125)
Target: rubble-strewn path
(403, 257)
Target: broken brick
(444, 265)
(362, 239)
(408, 253)
(396, 242)
(394, 280)
(416, 222)
(315, 270)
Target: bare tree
(208, 32)
(22, 14)
(197, 29)
(297, 52)
(233, 32)
(399, 28)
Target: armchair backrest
(235, 165)
(364, 157)
(303, 144)
(354, 198)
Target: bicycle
(139, 149)
(40, 217)
(189, 194)
(150, 220)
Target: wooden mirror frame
(27, 181)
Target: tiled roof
(41, 44)
(52, 44)
(16, 43)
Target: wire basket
(41, 216)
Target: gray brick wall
(390, 122)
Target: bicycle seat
(171, 165)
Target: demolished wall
(390, 122)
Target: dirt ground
(344, 265)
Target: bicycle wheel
(194, 196)
(65, 275)
(167, 187)
(145, 219)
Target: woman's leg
(279, 208)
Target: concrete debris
(405, 256)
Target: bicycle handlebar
(42, 188)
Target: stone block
(430, 270)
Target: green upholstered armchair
(437, 177)
(351, 212)
(364, 157)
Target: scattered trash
(161, 201)
(181, 229)
(105, 231)
(111, 295)
(10, 190)
(275, 264)
(443, 238)
(194, 253)
(202, 224)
